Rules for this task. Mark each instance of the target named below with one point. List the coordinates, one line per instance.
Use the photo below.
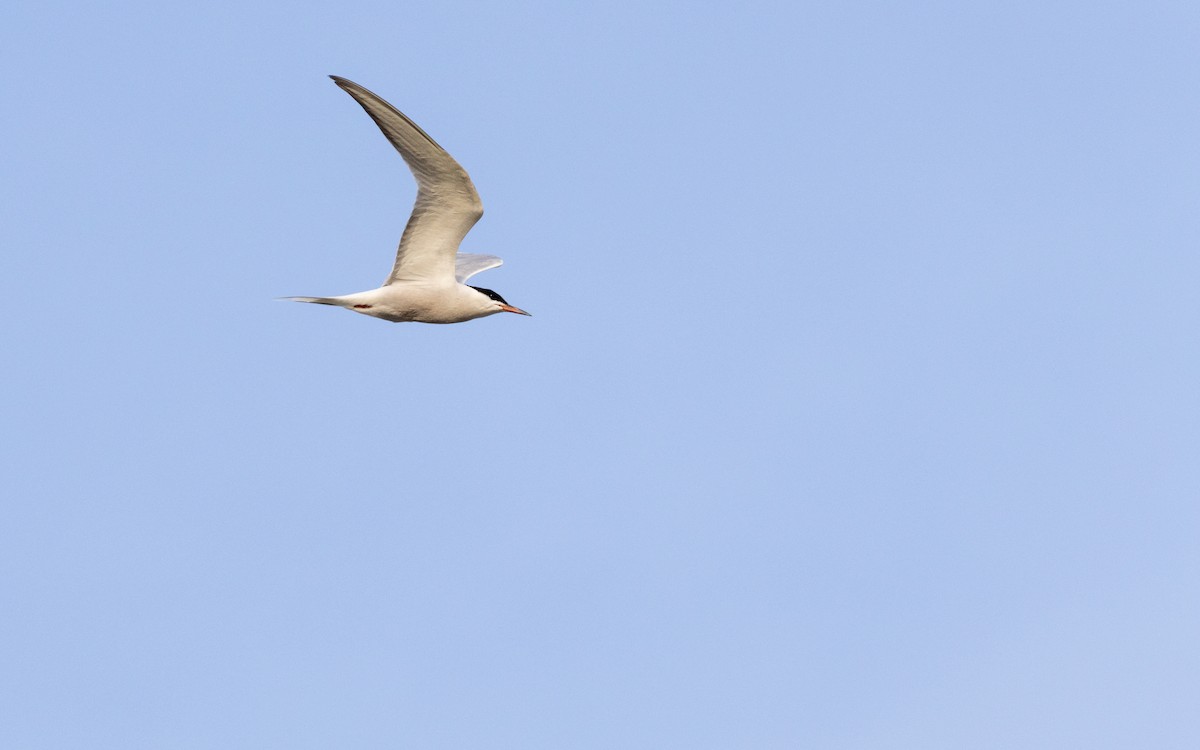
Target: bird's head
(496, 303)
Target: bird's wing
(447, 205)
(467, 265)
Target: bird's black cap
(491, 294)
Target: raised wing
(447, 205)
(467, 265)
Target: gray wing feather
(467, 265)
(447, 205)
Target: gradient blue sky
(859, 408)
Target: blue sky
(859, 406)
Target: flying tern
(428, 281)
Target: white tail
(317, 300)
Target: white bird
(427, 283)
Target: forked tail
(317, 300)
